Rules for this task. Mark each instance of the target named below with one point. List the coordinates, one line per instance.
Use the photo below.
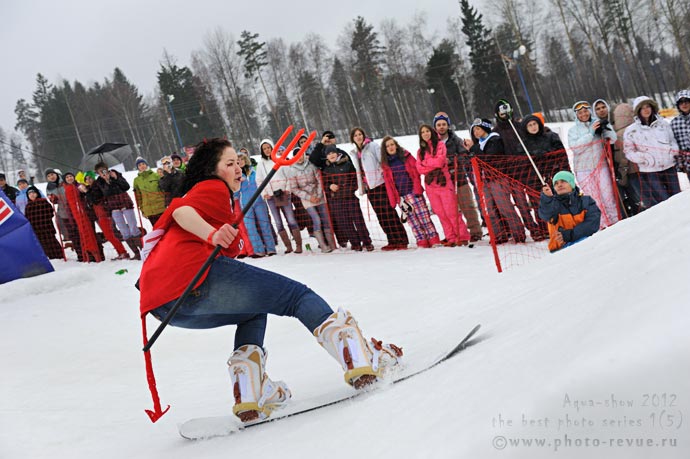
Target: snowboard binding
(364, 362)
(256, 395)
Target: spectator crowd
(510, 180)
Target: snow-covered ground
(587, 349)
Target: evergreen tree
(345, 110)
(28, 121)
(309, 90)
(367, 74)
(187, 103)
(255, 58)
(487, 69)
(440, 74)
(559, 80)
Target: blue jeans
(287, 211)
(235, 293)
(318, 215)
(259, 228)
(658, 186)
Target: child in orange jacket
(571, 216)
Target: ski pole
(541, 179)
(279, 162)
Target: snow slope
(567, 338)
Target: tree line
(389, 79)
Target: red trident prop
(279, 162)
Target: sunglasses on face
(167, 163)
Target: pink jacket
(411, 168)
(435, 161)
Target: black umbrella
(111, 153)
(88, 162)
(106, 148)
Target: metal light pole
(516, 55)
(169, 99)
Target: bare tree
(675, 14)
(220, 53)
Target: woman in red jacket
(234, 293)
(404, 188)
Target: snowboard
(220, 426)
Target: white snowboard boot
(363, 362)
(256, 396)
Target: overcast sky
(86, 39)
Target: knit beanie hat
(49, 171)
(139, 161)
(482, 123)
(565, 176)
(441, 116)
(91, 174)
(64, 176)
(682, 94)
(540, 115)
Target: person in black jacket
(318, 154)
(39, 212)
(171, 181)
(546, 148)
(113, 187)
(10, 191)
(340, 183)
(317, 157)
(488, 146)
(519, 168)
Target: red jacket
(411, 168)
(177, 257)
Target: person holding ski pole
(231, 292)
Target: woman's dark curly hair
(202, 165)
(399, 151)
